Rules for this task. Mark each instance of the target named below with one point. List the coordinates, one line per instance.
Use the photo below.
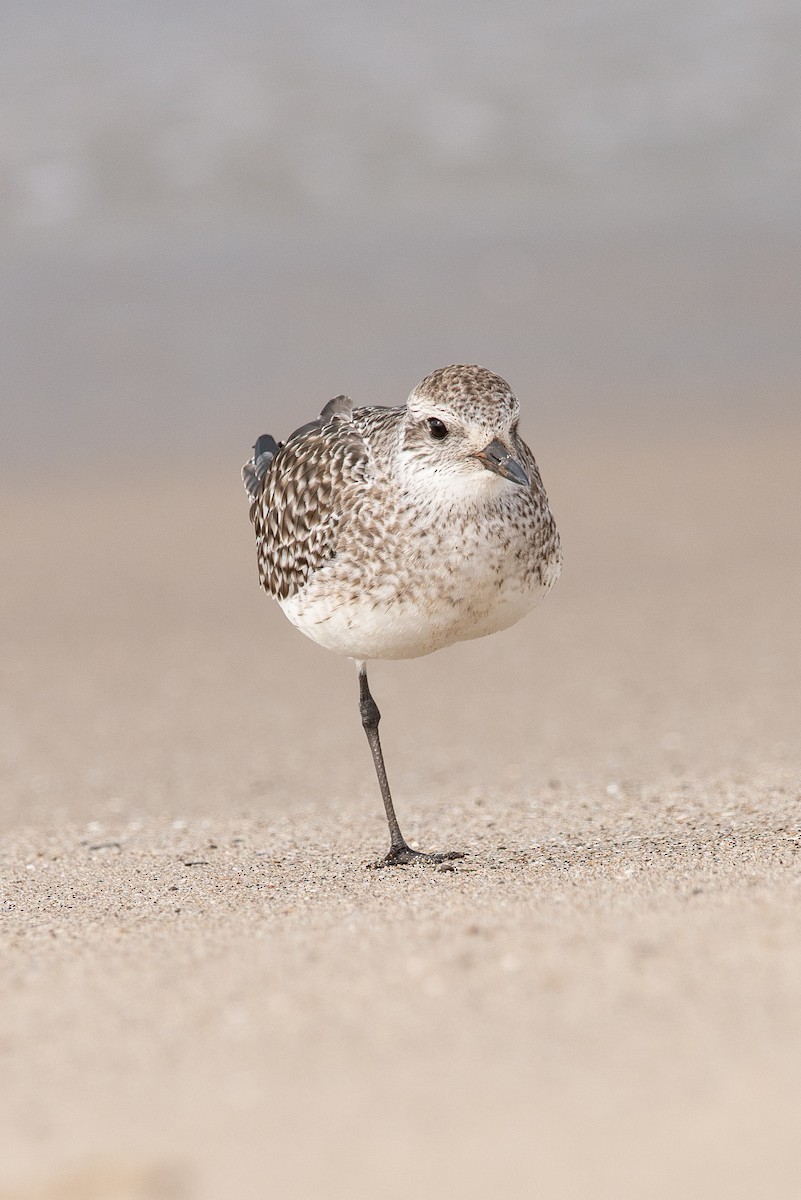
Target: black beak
(496, 457)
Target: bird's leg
(400, 852)
(370, 718)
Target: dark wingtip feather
(265, 445)
(253, 472)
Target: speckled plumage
(379, 544)
(393, 532)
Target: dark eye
(436, 428)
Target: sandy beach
(204, 993)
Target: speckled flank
(383, 533)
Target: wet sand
(204, 993)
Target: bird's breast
(396, 589)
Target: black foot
(404, 856)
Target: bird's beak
(496, 457)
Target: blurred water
(210, 218)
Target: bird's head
(460, 426)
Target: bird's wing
(266, 447)
(528, 463)
(546, 532)
(301, 496)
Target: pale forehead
(470, 391)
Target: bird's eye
(436, 428)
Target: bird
(392, 532)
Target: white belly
(376, 626)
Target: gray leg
(399, 852)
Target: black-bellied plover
(393, 532)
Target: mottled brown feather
(330, 507)
(297, 515)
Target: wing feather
(300, 500)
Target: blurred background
(214, 218)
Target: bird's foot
(404, 856)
